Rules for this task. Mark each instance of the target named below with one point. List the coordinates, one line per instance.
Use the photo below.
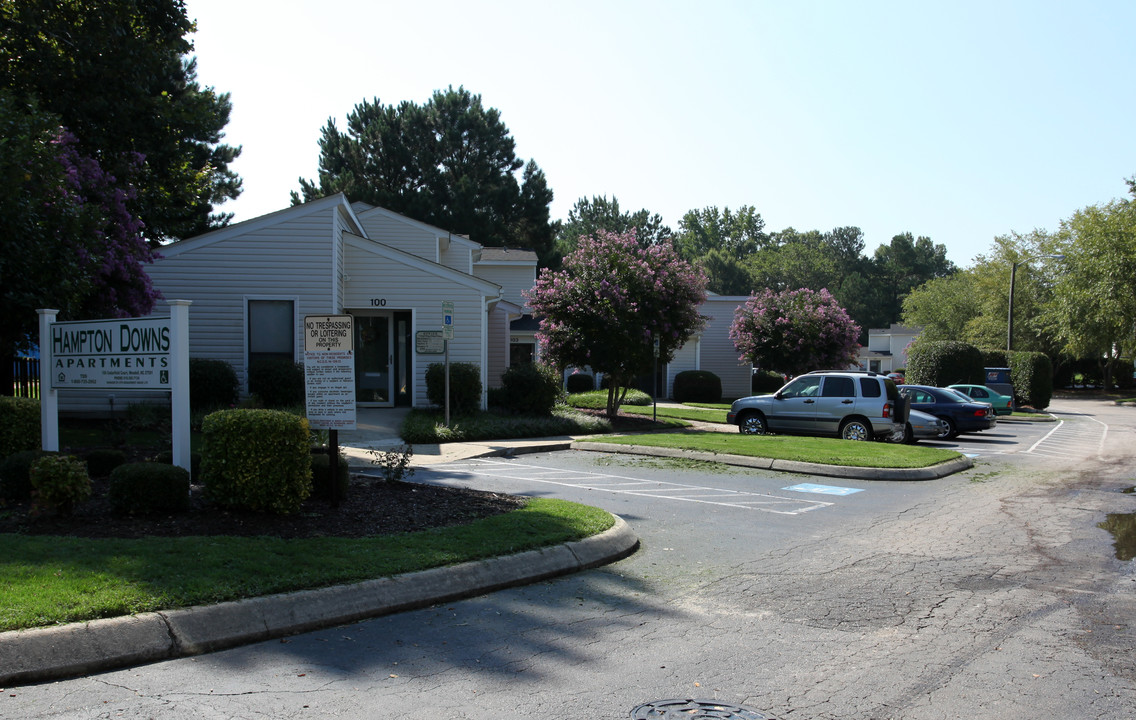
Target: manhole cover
(687, 709)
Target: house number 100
(378, 302)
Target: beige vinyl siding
(457, 255)
(513, 279)
(498, 351)
(408, 288)
(718, 354)
(292, 260)
(409, 237)
(685, 358)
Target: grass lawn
(686, 412)
(49, 580)
(829, 451)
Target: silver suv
(851, 404)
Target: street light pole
(1010, 318)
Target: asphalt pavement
(40, 654)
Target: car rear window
(870, 387)
(892, 390)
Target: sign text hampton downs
(129, 353)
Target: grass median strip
(827, 451)
(685, 412)
(49, 580)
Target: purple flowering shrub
(795, 331)
(609, 303)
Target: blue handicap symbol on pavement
(823, 489)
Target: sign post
(149, 353)
(329, 382)
(447, 336)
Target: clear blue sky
(960, 121)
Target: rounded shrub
(465, 386)
(148, 487)
(580, 382)
(19, 425)
(16, 475)
(321, 473)
(279, 383)
(256, 460)
(59, 483)
(701, 386)
(212, 384)
(102, 461)
(764, 382)
(167, 457)
(530, 389)
(944, 362)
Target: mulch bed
(372, 507)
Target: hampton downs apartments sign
(103, 354)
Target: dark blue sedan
(960, 416)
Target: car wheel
(856, 430)
(752, 424)
(950, 431)
(908, 435)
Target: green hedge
(212, 384)
(19, 425)
(701, 386)
(148, 487)
(944, 362)
(256, 459)
(465, 386)
(580, 382)
(765, 382)
(279, 383)
(1032, 376)
(530, 389)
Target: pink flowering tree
(67, 237)
(611, 301)
(795, 331)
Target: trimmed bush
(16, 475)
(465, 386)
(580, 382)
(279, 383)
(1032, 375)
(256, 460)
(19, 425)
(59, 483)
(212, 384)
(701, 386)
(102, 461)
(530, 389)
(765, 382)
(166, 457)
(994, 358)
(321, 473)
(944, 362)
(148, 487)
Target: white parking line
(623, 485)
(1068, 440)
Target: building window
(522, 354)
(271, 329)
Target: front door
(374, 356)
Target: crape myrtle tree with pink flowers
(609, 303)
(67, 238)
(795, 331)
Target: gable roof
(506, 256)
(425, 227)
(402, 257)
(339, 201)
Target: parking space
(576, 480)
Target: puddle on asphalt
(1123, 529)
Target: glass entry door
(374, 355)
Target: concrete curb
(855, 473)
(39, 654)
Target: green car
(1003, 404)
